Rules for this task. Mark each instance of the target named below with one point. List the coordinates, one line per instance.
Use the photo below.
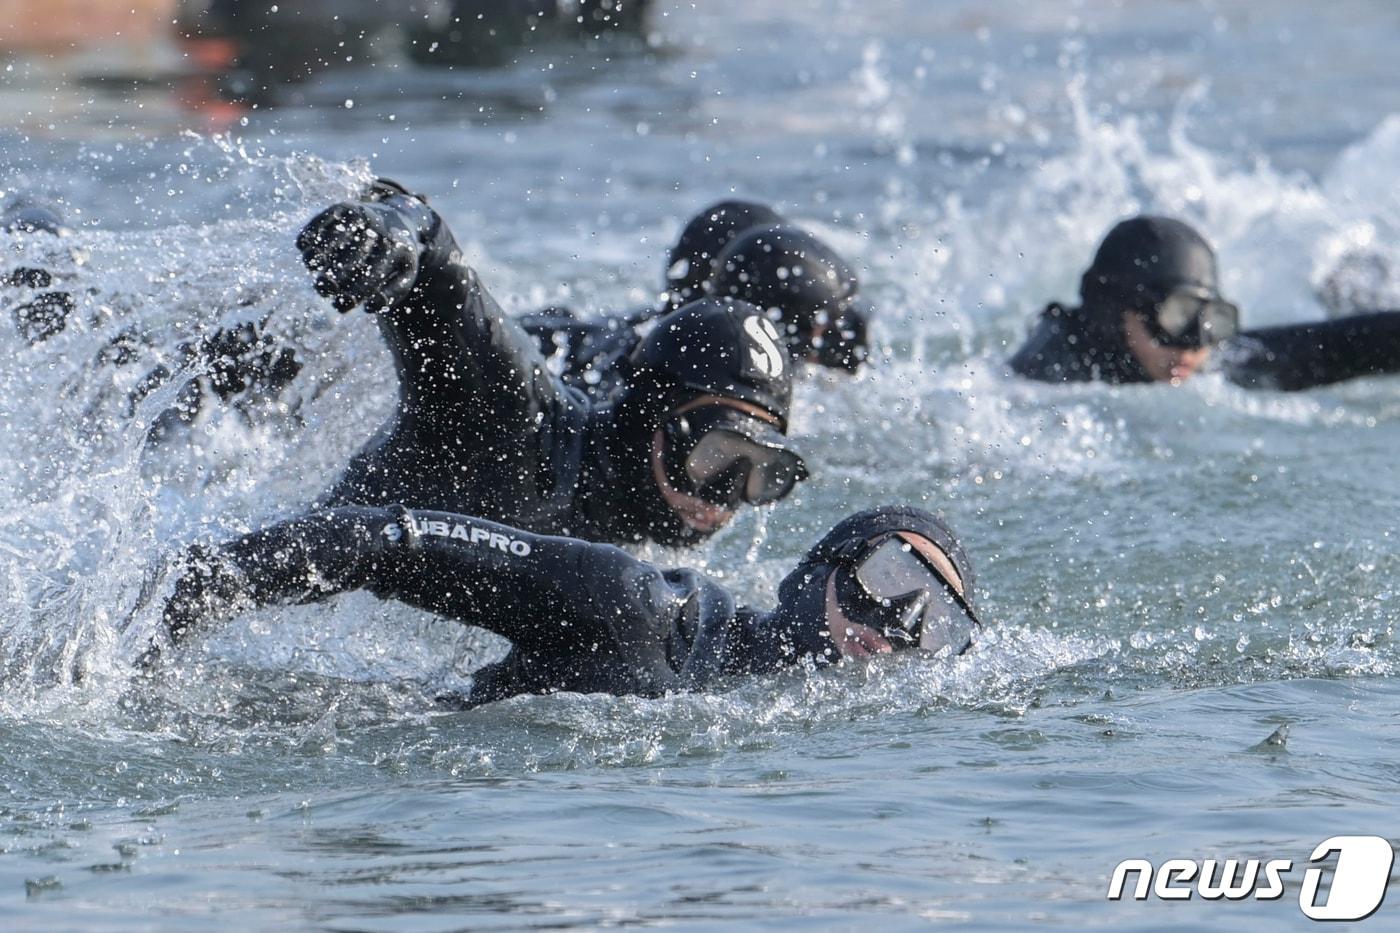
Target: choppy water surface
(1174, 574)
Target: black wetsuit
(1068, 345)
(483, 428)
(590, 353)
(733, 249)
(237, 364)
(580, 616)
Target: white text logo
(442, 529)
(1358, 880)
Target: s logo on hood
(766, 356)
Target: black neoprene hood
(784, 267)
(693, 259)
(720, 347)
(1144, 258)
(802, 594)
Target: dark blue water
(1174, 574)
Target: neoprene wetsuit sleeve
(459, 358)
(302, 560)
(552, 327)
(546, 594)
(1299, 356)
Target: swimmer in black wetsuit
(234, 363)
(38, 310)
(590, 618)
(484, 429)
(1151, 311)
(733, 249)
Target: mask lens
(1220, 321)
(714, 453)
(927, 612)
(1194, 319)
(1179, 313)
(727, 487)
(772, 478)
(946, 628)
(723, 453)
(893, 570)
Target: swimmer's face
(1162, 363)
(696, 513)
(854, 640)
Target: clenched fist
(361, 253)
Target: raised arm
(460, 360)
(546, 594)
(1300, 356)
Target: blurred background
(247, 52)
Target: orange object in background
(62, 25)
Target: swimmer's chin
(1178, 377)
(703, 517)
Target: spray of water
(97, 503)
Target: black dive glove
(38, 315)
(207, 587)
(43, 314)
(367, 251)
